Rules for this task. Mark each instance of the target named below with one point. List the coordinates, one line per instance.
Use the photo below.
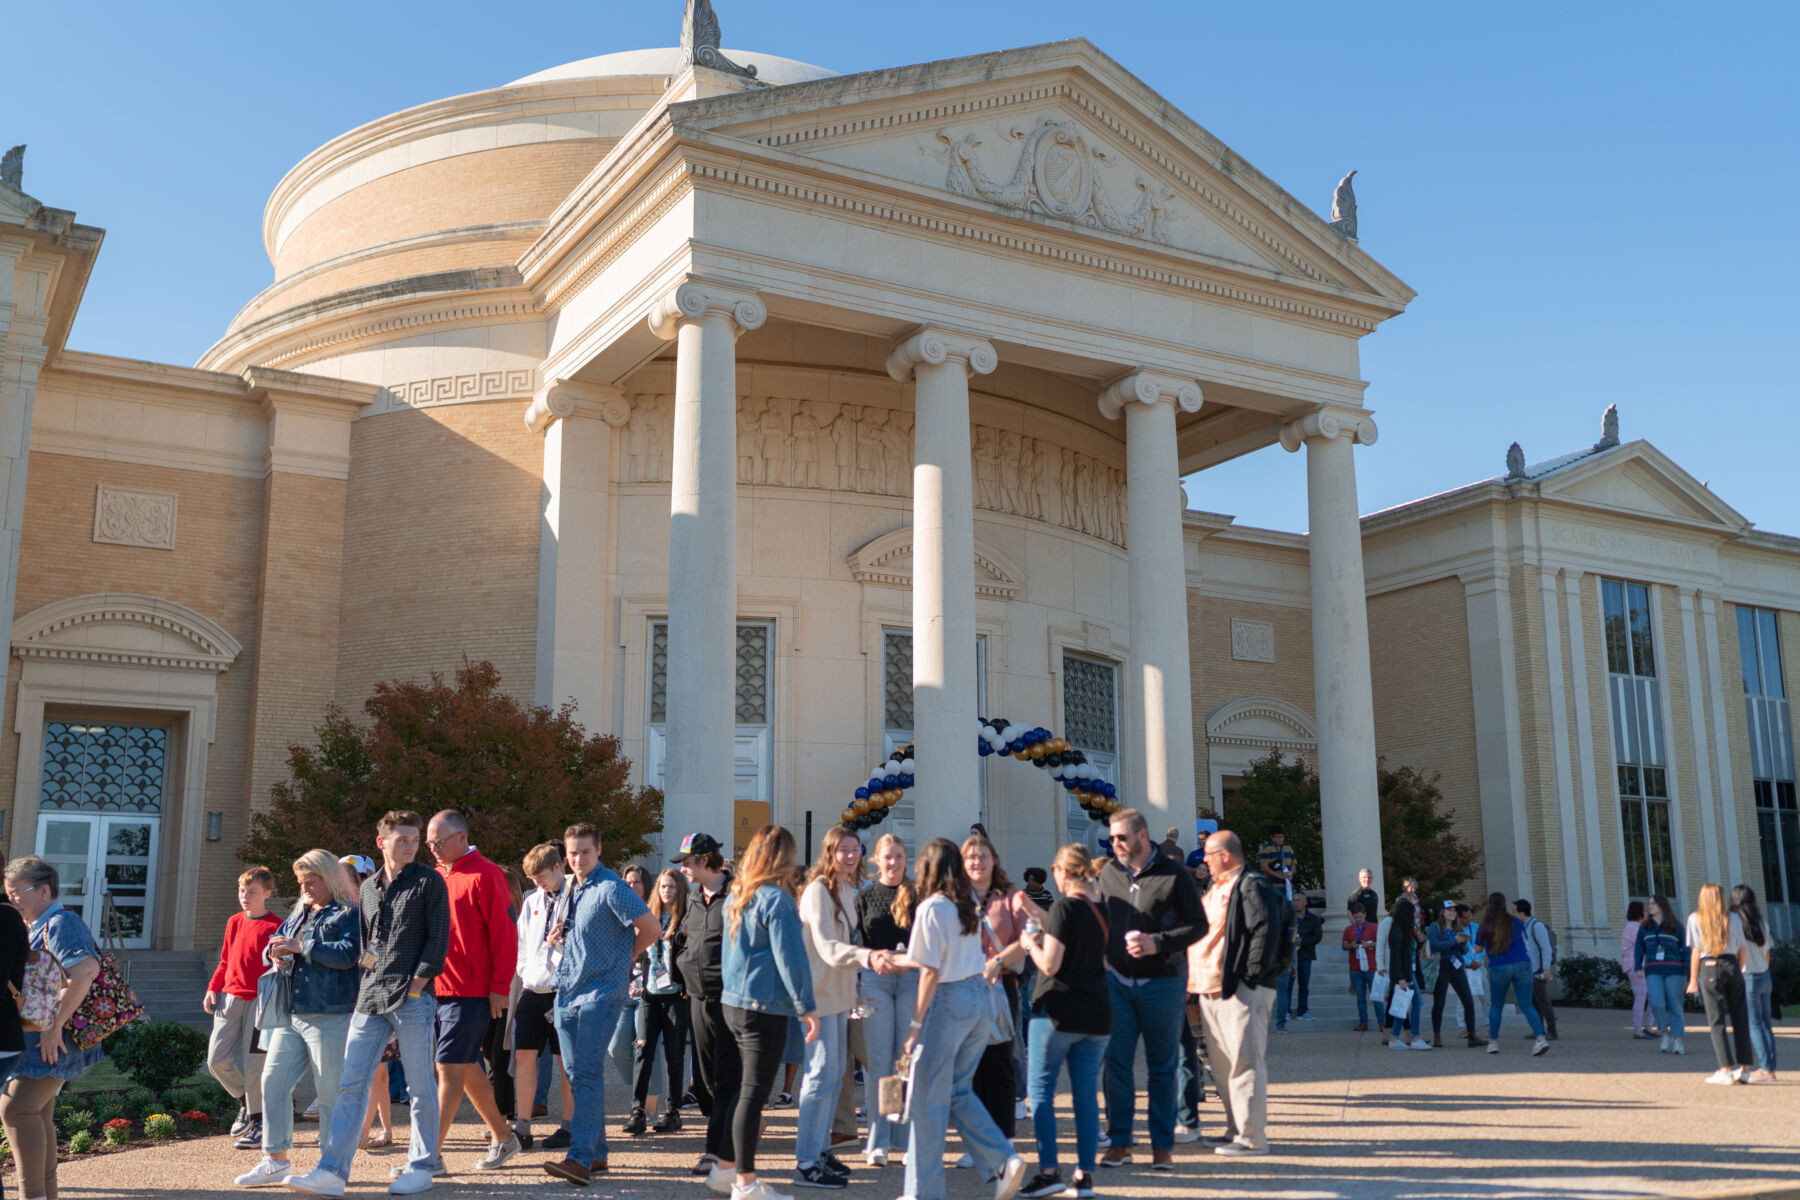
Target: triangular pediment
(16, 207)
(1063, 136)
(887, 561)
(123, 629)
(1639, 479)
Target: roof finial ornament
(1343, 207)
(12, 167)
(1609, 429)
(700, 40)
(1515, 461)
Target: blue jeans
(1022, 1028)
(890, 1000)
(1666, 992)
(1758, 990)
(412, 1024)
(819, 1090)
(1359, 981)
(1303, 976)
(1411, 1020)
(1517, 976)
(1188, 1075)
(622, 1049)
(583, 1030)
(1154, 1011)
(1283, 995)
(315, 1040)
(1050, 1049)
(950, 1047)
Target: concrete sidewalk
(1600, 1115)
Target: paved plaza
(1599, 1116)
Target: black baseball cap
(696, 843)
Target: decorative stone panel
(128, 517)
(1252, 641)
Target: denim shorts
(461, 1027)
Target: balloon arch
(888, 782)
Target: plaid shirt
(407, 927)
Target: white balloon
(908, 766)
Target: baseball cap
(1450, 904)
(361, 864)
(696, 843)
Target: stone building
(782, 421)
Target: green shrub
(140, 1102)
(1593, 980)
(157, 1054)
(107, 1106)
(1784, 971)
(73, 1120)
(214, 1098)
(159, 1126)
(81, 1142)
(180, 1100)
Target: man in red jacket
(477, 980)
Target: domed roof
(668, 60)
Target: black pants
(721, 1071)
(761, 1039)
(1540, 1000)
(996, 1080)
(664, 1019)
(499, 1064)
(1451, 977)
(1722, 991)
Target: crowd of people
(956, 998)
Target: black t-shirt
(875, 916)
(1076, 998)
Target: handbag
(275, 999)
(42, 992)
(108, 1007)
(999, 1015)
(1402, 1002)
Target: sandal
(380, 1141)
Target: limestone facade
(778, 426)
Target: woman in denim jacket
(766, 980)
(1662, 955)
(318, 946)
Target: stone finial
(12, 167)
(700, 40)
(1515, 461)
(1609, 428)
(1343, 207)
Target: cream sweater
(831, 954)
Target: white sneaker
(497, 1154)
(1184, 1134)
(1012, 1178)
(1541, 1045)
(440, 1167)
(1306, 1017)
(1397, 1044)
(316, 1182)
(966, 1162)
(757, 1191)
(876, 1158)
(1493, 1045)
(264, 1173)
(1103, 1143)
(1021, 1110)
(411, 1183)
(1678, 1048)
(1721, 1076)
(1420, 1044)
(721, 1180)
(311, 1113)
(1664, 1048)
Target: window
(1634, 700)
(1771, 755)
(1091, 723)
(897, 720)
(103, 768)
(751, 684)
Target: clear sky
(1572, 188)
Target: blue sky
(1571, 188)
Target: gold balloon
(1038, 751)
(860, 808)
(848, 815)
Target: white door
(97, 854)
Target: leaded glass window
(91, 767)
(896, 680)
(752, 680)
(1091, 704)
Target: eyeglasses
(1120, 837)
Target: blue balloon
(906, 781)
(890, 782)
(1068, 785)
(1112, 791)
(862, 793)
(875, 783)
(983, 749)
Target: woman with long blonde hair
(884, 911)
(318, 945)
(662, 1012)
(949, 1030)
(828, 913)
(1716, 974)
(767, 979)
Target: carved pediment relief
(1638, 478)
(122, 629)
(888, 561)
(1261, 721)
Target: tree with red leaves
(520, 773)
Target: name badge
(368, 959)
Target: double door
(105, 854)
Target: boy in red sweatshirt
(231, 999)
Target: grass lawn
(105, 1077)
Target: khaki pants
(1237, 1037)
(228, 1056)
(29, 1113)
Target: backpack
(1537, 924)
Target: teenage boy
(533, 1036)
(476, 984)
(601, 927)
(702, 978)
(405, 935)
(231, 1054)
(1359, 941)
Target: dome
(668, 60)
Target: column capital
(1329, 423)
(695, 299)
(1147, 387)
(567, 397)
(936, 346)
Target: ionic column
(939, 364)
(1158, 693)
(1350, 807)
(705, 320)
